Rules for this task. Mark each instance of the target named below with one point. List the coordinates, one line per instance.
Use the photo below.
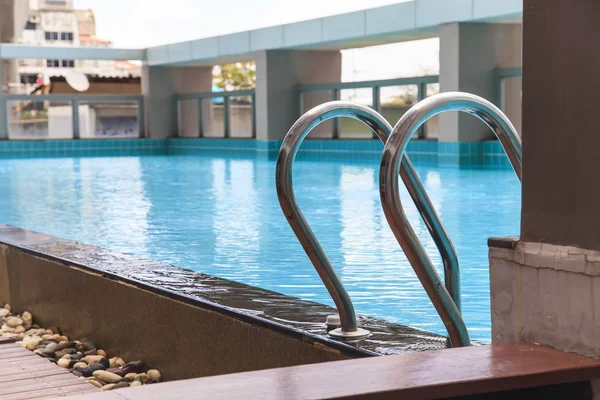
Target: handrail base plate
(359, 333)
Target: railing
(335, 89)
(393, 154)
(226, 102)
(500, 75)
(291, 210)
(75, 100)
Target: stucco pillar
(159, 85)
(277, 74)
(469, 53)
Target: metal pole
(200, 118)
(226, 121)
(421, 94)
(253, 114)
(4, 124)
(376, 103)
(287, 200)
(141, 115)
(75, 117)
(335, 95)
(178, 116)
(393, 154)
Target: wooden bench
(510, 370)
(25, 375)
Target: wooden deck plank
(25, 375)
(80, 394)
(12, 356)
(4, 379)
(11, 348)
(20, 353)
(83, 387)
(25, 363)
(6, 340)
(432, 374)
(8, 365)
(46, 382)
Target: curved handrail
(390, 195)
(289, 206)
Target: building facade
(57, 23)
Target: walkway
(25, 375)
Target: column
(3, 104)
(159, 85)
(545, 287)
(469, 53)
(277, 74)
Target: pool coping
(71, 253)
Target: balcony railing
(334, 91)
(214, 114)
(59, 116)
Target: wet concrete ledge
(68, 266)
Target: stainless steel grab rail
(289, 206)
(393, 153)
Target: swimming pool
(219, 214)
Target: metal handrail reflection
(289, 206)
(393, 154)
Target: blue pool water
(220, 215)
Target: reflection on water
(220, 215)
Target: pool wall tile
(70, 148)
(488, 154)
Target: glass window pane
(431, 89)
(39, 120)
(188, 118)
(350, 128)
(108, 119)
(213, 124)
(240, 116)
(396, 100)
(311, 100)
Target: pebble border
(82, 359)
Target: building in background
(13, 16)
(57, 23)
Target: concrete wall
(277, 74)
(546, 294)
(469, 53)
(182, 340)
(159, 85)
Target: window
(68, 63)
(56, 2)
(28, 78)
(67, 36)
(30, 26)
(51, 35)
(52, 63)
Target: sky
(145, 23)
